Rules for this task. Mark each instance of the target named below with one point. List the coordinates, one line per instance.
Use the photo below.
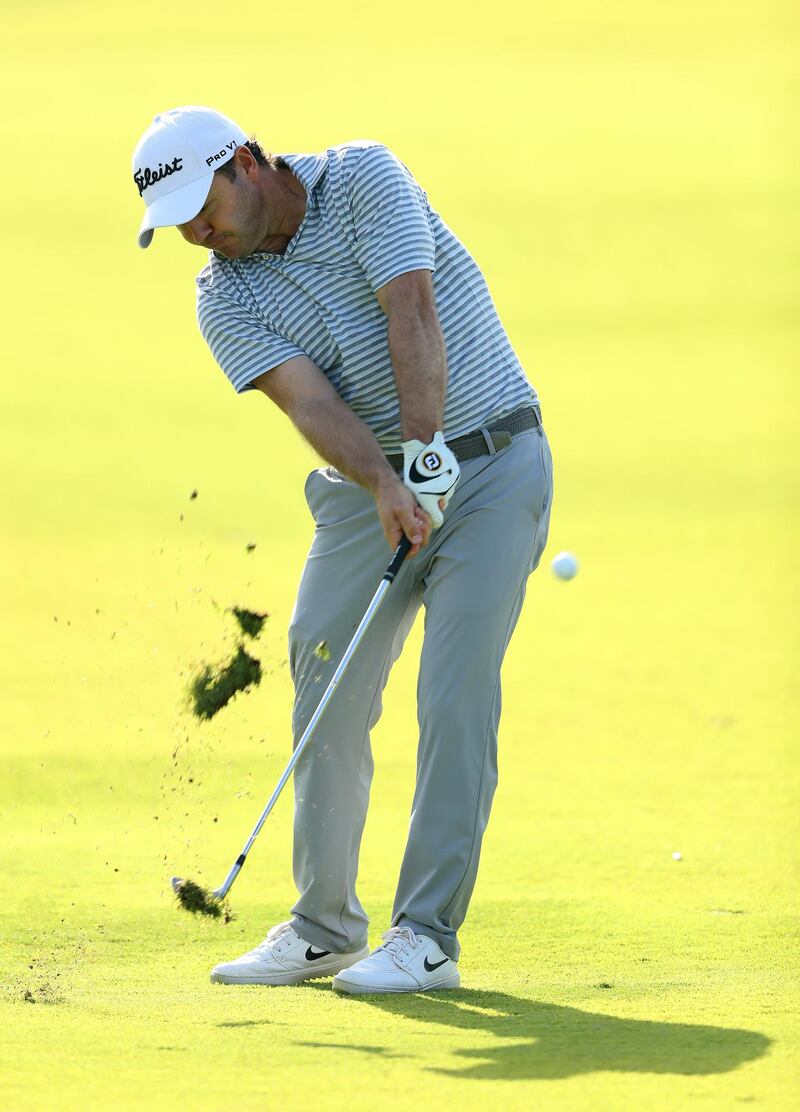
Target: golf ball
(677, 856)
(565, 565)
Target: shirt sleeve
(242, 344)
(393, 228)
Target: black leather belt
(490, 439)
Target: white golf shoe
(283, 958)
(406, 962)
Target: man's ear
(245, 161)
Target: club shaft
(384, 585)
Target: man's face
(232, 221)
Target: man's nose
(197, 230)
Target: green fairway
(623, 174)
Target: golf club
(181, 886)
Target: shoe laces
(397, 939)
(277, 932)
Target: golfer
(335, 289)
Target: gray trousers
(471, 579)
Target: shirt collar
(307, 168)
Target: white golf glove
(430, 471)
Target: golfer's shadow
(549, 1041)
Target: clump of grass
(322, 651)
(250, 621)
(194, 898)
(43, 994)
(214, 686)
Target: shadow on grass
(244, 1023)
(549, 1041)
(363, 1047)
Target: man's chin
(232, 250)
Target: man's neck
(286, 198)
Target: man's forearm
(419, 361)
(343, 439)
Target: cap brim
(177, 207)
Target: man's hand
(400, 514)
(430, 472)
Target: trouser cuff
(447, 943)
(323, 939)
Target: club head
(177, 881)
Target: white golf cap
(174, 163)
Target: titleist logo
(147, 177)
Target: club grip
(400, 554)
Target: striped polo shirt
(366, 222)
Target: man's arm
(417, 350)
(305, 395)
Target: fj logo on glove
(416, 476)
(430, 471)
